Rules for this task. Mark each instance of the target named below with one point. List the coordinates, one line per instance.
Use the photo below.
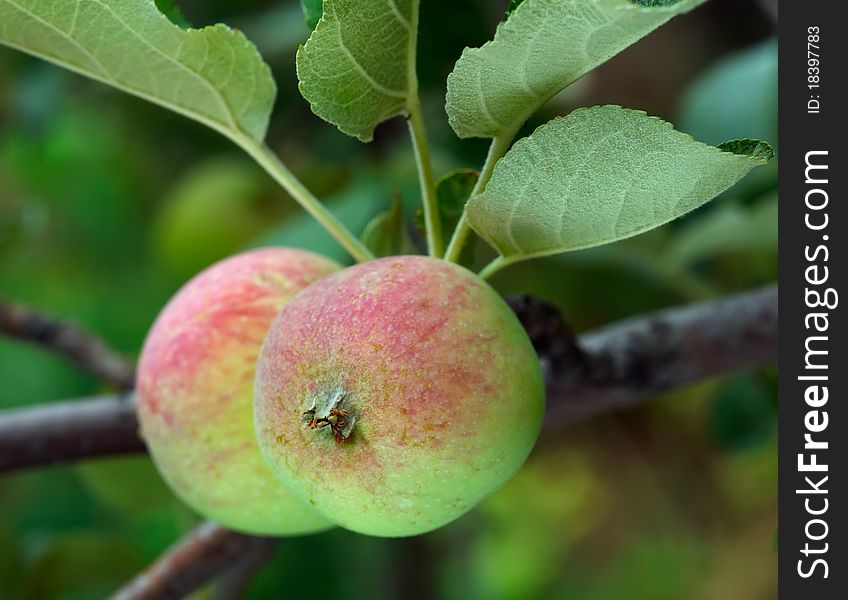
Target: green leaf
(386, 234)
(213, 75)
(312, 10)
(453, 191)
(544, 46)
(599, 175)
(357, 67)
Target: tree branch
(623, 364)
(608, 369)
(234, 582)
(204, 554)
(85, 350)
(68, 431)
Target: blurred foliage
(214, 210)
(107, 205)
(312, 11)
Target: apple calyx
(326, 410)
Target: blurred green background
(108, 204)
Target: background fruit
(217, 208)
(195, 389)
(444, 390)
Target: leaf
(357, 67)
(312, 10)
(386, 234)
(453, 191)
(213, 75)
(599, 175)
(542, 48)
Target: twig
(621, 365)
(233, 583)
(68, 431)
(195, 560)
(83, 349)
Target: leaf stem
(432, 217)
(497, 149)
(493, 267)
(418, 132)
(460, 236)
(269, 161)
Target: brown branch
(604, 370)
(68, 431)
(83, 349)
(204, 554)
(237, 579)
(621, 365)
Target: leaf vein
(38, 19)
(215, 93)
(359, 68)
(399, 16)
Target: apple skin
(441, 382)
(195, 390)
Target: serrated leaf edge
(232, 131)
(505, 28)
(550, 252)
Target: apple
(394, 395)
(195, 390)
